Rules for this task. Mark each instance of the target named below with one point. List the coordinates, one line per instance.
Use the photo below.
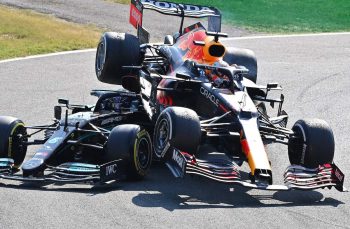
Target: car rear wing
(175, 9)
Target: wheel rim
(295, 146)
(101, 56)
(144, 153)
(19, 148)
(162, 136)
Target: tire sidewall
(297, 156)
(8, 144)
(100, 70)
(120, 49)
(316, 146)
(184, 131)
(124, 143)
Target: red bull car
(209, 115)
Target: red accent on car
(223, 108)
(190, 157)
(192, 51)
(135, 16)
(245, 146)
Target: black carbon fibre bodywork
(73, 148)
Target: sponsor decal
(178, 158)
(135, 14)
(111, 120)
(111, 169)
(47, 147)
(41, 154)
(209, 96)
(169, 5)
(339, 175)
(54, 140)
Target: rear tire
(114, 51)
(313, 144)
(12, 139)
(244, 57)
(133, 144)
(177, 127)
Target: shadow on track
(161, 189)
(196, 193)
(88, 189)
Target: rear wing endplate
(175, 9)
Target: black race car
(208, 113)
(93, 144)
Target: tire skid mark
(312, 85)
(318, 219)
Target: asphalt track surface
(314, 71)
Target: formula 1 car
(90, 144)
(209, 115)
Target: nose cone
(33, 166)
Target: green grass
(282, 16)
(24, 33)
(285, 16)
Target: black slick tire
(132, 144)
(177, 127)
(243, 57)
(12, 138)
(312, 144)
(114, 51)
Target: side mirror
(58, 112)
(272, 86)
(183, 76)
(199, 43)
(63, 101)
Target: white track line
(47, 55)
(286, 36)
(223, 39)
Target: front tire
(13, 136)
(177, 127)
(133, 144)
(312, 144)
